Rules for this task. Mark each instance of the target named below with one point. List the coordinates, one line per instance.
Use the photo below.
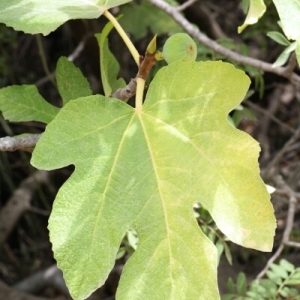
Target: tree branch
(126, 92)
(288, 228)
(238, 58)
(19, 203)
(37, 282)
(185, 5)
(25, 143)
(8, 293)
(279, 155)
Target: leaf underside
(144, 171)
(33, 16)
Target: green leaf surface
(278, 37)
(109, 66)
(289, 13)
(70, 81)
(284, 56)
(144, 170)
(281, 59)
(256, 9)
(298, 52)
(24, 103)
(241, 284)
(38, 16)
(279, 271)
(139, 18)
(287, 265)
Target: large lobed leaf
(144, 170)
(39, 16)
(24, 103)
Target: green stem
(122, 33)
(140, 85)
(43, 58)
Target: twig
(79, 48)
(145, 66)
(285, 192)
(26, 143)
(127, 92)
(283, 150)
(35, 283)
(195, 32)
(288, 228)
(292, 244)
(185, 5)
(271, 116)
(72, 57)
(19, 203)
(43, 58)
(8, 293)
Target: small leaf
(254, 295)
(245, 6)
(241, 284)
(231, 285)
(258, 289)
(294, 278)
(279, 271)
(274, 277)
(256, 9)
(271, 287)
(284, 292)
(70, 81)
(292, 47)
(281, 59)
(109, 66)
(132, 239)
(36, 16)
(292, 281)
(239, 114)
(212, 236)
(24, 103)
(220, 248)
(298, 52)
(287, 265)
(227, 253)
(279, 38)
(121, 253)
(293, 292)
